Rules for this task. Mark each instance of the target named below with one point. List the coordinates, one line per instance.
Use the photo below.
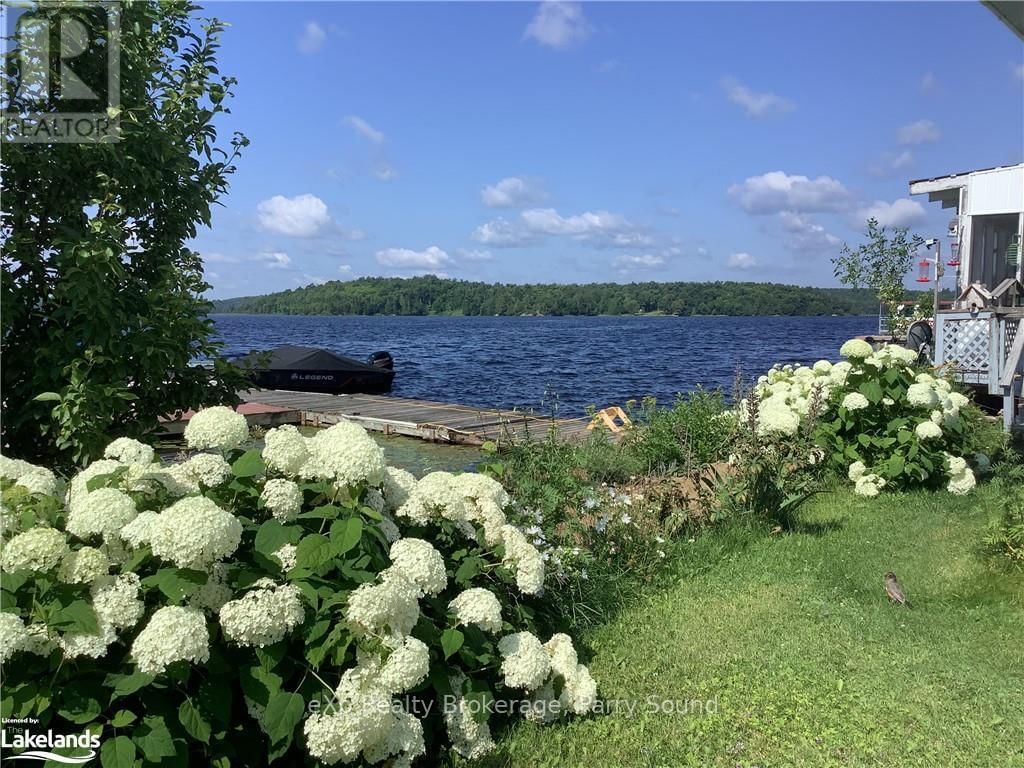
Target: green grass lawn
(807, 664)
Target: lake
(555, 364)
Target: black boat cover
(293, 358)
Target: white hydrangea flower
(562, 654)
(962, 482)
(129, 451)
(218, 428)
(41, 481)
(12, 469)
(194, 533)
(283, 498)
(475, 486)
(261, 617)
(856, 470)
(855, 401)
(922, 395)
(83, 566)
(928, 430)
(957, 400)
(286, 556)
(398, 484)
(469, 738)
(404, 742)
(203, 469)
(391, 604)
(215, 592)
(360, 718)
(14, 636)
(37, 549)
(868, 485)
(389, 528)
(76, 644)
(436, 494)
(924, 378)
(80, 483)
(40, 640)
(140, 530)
(174, 633)
(406, 667)
(103, 512)
(839, 372)
(580, 692)
(420, 563)
(285, 450)
(346, 454)
(526, 663)
(528, 562)
(822, 367)
(116, 601)
(856, 348)
(478, 606)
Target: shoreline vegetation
(430, 295)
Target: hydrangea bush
(880, 419)
(300, 604)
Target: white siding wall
(997, 191)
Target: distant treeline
(435, 296)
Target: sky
(598, 141)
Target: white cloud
(220, 258)
(364, 129)
(647, 261)
(308, 279)
(582, 226)
(345, 269)
(804, 235)
(892, 162)
(405, 258)
(385, 171)
(741, 261)
(512, 192)
(276, 260)
(300, 216)
(928, 82)
(600, 229)
(919, 132)
(899, 213)
(778, 191)
(1018, 71)
(756, 104)
(501, 233)
(558, 24)
(312, 38)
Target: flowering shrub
(881, 422)
(300, 604)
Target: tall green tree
(881, 263)
(101, 299)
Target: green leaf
(283, 713)
(345, 534)
(272, 535)
(215, 700)
(118, 752)
(249, 464)
(176, 583)
(154, 739)
(451, 641)
(312, 551)
(193, 721)
(48, 397)
(468, 570)
(77, 616)
(126, 685)
(896, 464)
(122, 718)
(326, 512)
(872, 390)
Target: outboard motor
(382, 360)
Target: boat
(310, 369)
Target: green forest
(436, 296)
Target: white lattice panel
(967, 342)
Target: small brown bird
(895, 591)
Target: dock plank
(425, 419)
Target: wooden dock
(425, 419)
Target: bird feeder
(922, 271)
(954, 255)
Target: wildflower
(218, 428)
(626, 519)
(174, 633)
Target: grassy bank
(792, 637)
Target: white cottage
(982, 337)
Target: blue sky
(560, 142)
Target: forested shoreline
(431, 295)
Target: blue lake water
(556, 364)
